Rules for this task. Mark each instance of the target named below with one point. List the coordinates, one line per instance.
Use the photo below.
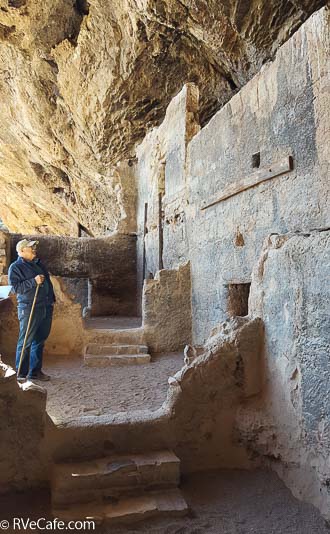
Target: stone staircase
(115, 345)
(118, 488)
(100, 355)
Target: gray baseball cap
(25, 243)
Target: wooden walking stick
(27, 329)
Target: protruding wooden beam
(261, 175)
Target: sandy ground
(76, 390)
(221, 502)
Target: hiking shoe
(21, 378)
(40, 376)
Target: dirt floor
(221, 502)
(76, 390)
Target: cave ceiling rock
(83, 81)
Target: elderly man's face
(28, 253)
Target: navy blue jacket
(21, 277)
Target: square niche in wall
(255, 161)
(238, 299)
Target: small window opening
(256, 160)
(238, 299)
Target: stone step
(113, 476)
(115, 359)
(101, 349)
(109, 336)
(169, 503)
(103, 355)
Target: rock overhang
(83, 83)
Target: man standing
(25, 274)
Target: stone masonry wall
(197, 420)
(282, 112)
(161, 185)
(67, 335)
(275, 126)
(291, 425)
(23, 419)
(109, 263)
(166, 308)
(261, 167)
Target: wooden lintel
(261, 175)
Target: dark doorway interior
(238, 299)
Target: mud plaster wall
(166, 308)
(161, 172)
(198, 417)
(282, 111)
(67, 335)
(109, 263)
(196, 420)
(290, 292)
(4, 252)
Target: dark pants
(38, 333)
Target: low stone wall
(166, 309)
(205, 395)
(23, 419)
(197, 420)
(109, 263)
(67, 335)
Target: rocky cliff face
(82, 82)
